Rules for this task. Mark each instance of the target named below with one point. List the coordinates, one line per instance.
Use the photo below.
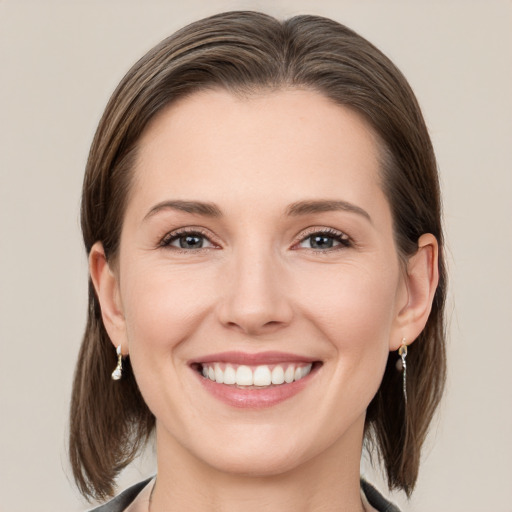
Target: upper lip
(260, 358)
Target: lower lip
(254, 398)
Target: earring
(118, 372)
(401, 365)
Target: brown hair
(245, 52)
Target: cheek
(352, 305)
(354, 309)
(162, 307)
(355, 314)
(162, 310)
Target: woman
(261, 212)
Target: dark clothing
(121, 501)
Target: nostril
(254, 325)
(253, 306)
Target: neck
(327, 482)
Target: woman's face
(258, 244)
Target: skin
(257, 285)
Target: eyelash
(338, 236)
(169, 238)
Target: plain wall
(60, 61)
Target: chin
(261, 450)
(255, 464)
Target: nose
(255, 297)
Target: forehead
(277, 145)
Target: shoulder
(375, 498)
(123, 500)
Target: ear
(106, 286)
(420, 282)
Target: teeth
(229, 375)
(219, 374)
(244, 376)
(289, 374)
(260, 376)
(278, 375)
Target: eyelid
(343, 238)
(169, 237)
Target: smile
(255, 376)
(255, 381)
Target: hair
(244, 53)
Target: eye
(324, 240)
(186, 240)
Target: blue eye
(186, 241)
(325, 240)
(189, 242)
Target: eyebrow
(319, 206)
(195, 207)
(293, 210)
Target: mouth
(255, 380)
(261, 376)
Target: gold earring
(118, 372)
(401, 365)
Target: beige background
(59, 62)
